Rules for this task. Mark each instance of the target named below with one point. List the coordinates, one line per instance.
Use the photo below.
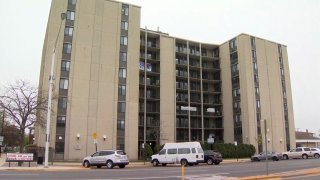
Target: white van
(186, 153)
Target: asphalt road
(173, 172)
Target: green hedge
(231, 151)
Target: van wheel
(285, 157)
(184, 162)
(304, 156)
(86, 164)
(209, 161)
(155, 162)
(109, 164)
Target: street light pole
(266, 144)
(63, 16)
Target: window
(193, 150)
(123, 56)
(123, 72)
(257, 90)
(253, 42)
(184, 151)
(121, 107)
(61, 121)
(70, 15)
(68, 31)
(59, 147)
(67, 48)
(254, 55)
(124, 40)
(120, 124)
(122, 90)
(73, 2)
(172, 151)
(125, 10)
(162, 152)
(62, 102)
(64, 83)
(124, 25)
(258, 104)
(65, 65)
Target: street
(223, 171)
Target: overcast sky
(294, 23)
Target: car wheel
(316, 156)
(155, 162)
(99, 166)
(86, 164)
(164, 164)
(275, 158)
(209, 161)
(256, 159)
(184, 162)
(109, 164)
(122, 166)
(304, 156)
(285, 157)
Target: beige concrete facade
(93, 82)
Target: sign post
(236, 144)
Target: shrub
(147, 151)
(229, 150)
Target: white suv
(316, 152)
(300, 152)
(109, 158)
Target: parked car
(271, 156)
(212, 157)
(316, 152)
(109, 158)
(300, 152)
(186, 153)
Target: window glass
(64, 83)
(59, 147)
(70, 15)
(121, 107)
(62, 102)
(120, 152)
(65, 65)
(124, 40)
(120, 124)
(68, 31)
(307, 149)
(298, 150)
(123, 56)
(95, 154)
(193, 150)
(172, 151)
(162, 152)
(61, 121)
(124, 25)
(125, 11)
(122, 90)
(73, 2)
(184, 151)
(67, 48)
(123, 72)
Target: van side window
(193, 150)
(162, 152)
(184, 151)
(172, 151)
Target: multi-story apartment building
(119, 86)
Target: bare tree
(21, 103)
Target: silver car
(109, 158)
(315, 152)
(271, 156)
